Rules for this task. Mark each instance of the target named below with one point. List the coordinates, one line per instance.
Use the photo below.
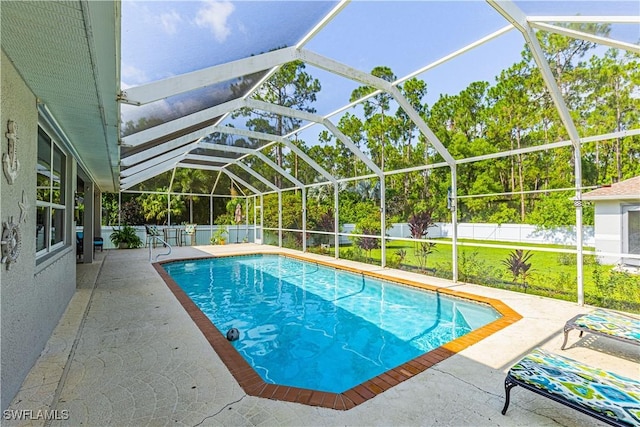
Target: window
(51, 198)
(631, 233)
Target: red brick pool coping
(253, 385)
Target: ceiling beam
(202, 167)
(424, 69)
(353, 147)
(258, 176)
(144, 94)
(290, 112)
(221, 170)
(132, 180)
(178, 144)
(159, 153)
(241, 181)
(184, 122)
(204, 158)
(225, 148)
(513, 14)
(277, 109)
(323, 22)
(278, 169)
(581, 35)
(378, 83)
(155, 151)
(628, 19)
(152, 162)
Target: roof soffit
(67, 52)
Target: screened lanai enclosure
(450, 138)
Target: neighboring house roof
(624, 190)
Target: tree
(187, 180)
(514, 119)
(610, 83)
(154, 206)
(369, 226)
(377, 123)
(292, 87)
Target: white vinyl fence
(517, 233)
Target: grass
(546, 266)
(552, 274)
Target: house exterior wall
(33, 293)
(608, 229)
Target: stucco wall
(33, 295)
(608, 229)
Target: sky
(166, 38)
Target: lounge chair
(608, 397)
(607, 324)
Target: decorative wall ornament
(24, 209)
(10, 162)
(10, 243)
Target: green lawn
(552, 274)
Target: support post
(246, 218)
(579, 229)
(383, 222)
(210, 217)
(336, 222)
(88, 221)
(261, 219)
(280, 219)
(453, 206)
(97, 215)
(304, 219)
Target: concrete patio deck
(126, 353)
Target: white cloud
(214, 15)
(132, 75)
(170, 21)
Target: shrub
(518, 266)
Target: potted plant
(126, 237)
(220, 236)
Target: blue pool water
(316, 327)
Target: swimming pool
(315, 327)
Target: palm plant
(518, 266)
(419, 224)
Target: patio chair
(152, 233)
(608, 397)
(98, 242)
(79, 243)
(607, 324)
(171, 233)
(189, 234)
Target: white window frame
(48, 205)
(626, 209)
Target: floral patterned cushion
(600, 391)
(152, 230)
(610, 323)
